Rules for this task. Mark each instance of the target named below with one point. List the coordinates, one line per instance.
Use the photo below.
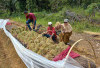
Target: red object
(51, 31)
(31, 16)
(63, 54)
(8, 23)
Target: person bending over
(30, 17)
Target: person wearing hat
(51, 33)
(66, 31)
(30, 17)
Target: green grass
(43, 18)
(97, 16)
(81, 26)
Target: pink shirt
(31, 16)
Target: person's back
(31, 16)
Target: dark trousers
(48, 36)
(28, 22)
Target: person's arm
(70, 27)
(26, 19)
(48, 29)
(53, 32)
(34, 21)
(63, 30)
(26, 24)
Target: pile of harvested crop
(41, 45)
(41, 30)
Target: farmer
(51, 33)
(66, 31)
(30, 17)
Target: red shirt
(51, 31)
(31, 16)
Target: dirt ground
(84, 48)
(8, 55)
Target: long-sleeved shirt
(66, 28)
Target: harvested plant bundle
(41, 45)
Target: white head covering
(49, 23)
(65, 20)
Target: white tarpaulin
(34, 60)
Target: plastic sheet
(34, 60)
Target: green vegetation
(82, 14)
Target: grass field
(43, 18)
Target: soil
(8, 55)
(83, 48)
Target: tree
(31, 5)
(56, 5)
(43, 5)
(9, 5)
(91, 10)
(22, 5)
